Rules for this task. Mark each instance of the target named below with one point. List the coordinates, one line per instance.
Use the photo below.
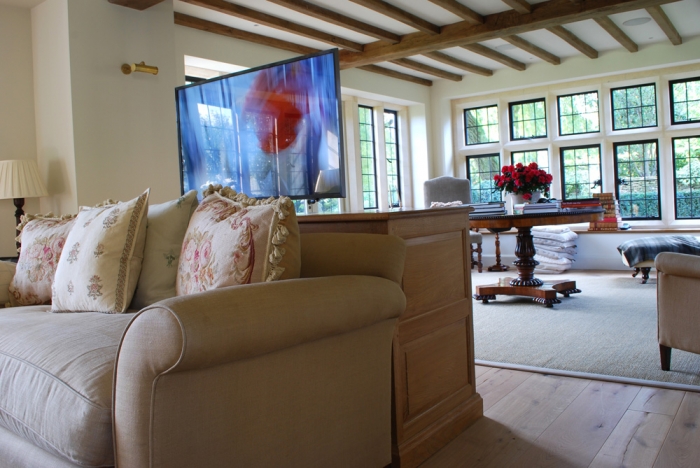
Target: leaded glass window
(686, 174)
(480, 172)
(578, 113)
(368, 158)
(637, 174)
(634, 107)
(528, 119)
(541, 157)
(481, 125)
(581, 171)
(391, 150)
(685, 101)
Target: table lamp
(20, 179)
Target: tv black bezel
(341, 130)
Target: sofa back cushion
(42, 239)
(100, 266)
(233, 239)
(167, 224)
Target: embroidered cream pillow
(42, 238)
(101, 261)
(233, 239)
(167, 224)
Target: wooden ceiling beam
(255, 16)
(495, 56)
(220, 29)
(497, 25)
(533, 49)
(453, 6)
(400, 15)
(343, 21)
(457, 63)
(617, 33)
(423, 68)
(574, 41)
(665, 24)
(521, 6)
(136, 4)
(396, 74)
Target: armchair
(447, 189)
(678, 281)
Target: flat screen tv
(268, 131)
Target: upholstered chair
(677, 298)
(447, 189)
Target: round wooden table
(526, 284)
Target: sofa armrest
(7, 272)
(331, 254)
(209, 332)
(678, 264)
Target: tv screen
(269, 131)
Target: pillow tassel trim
(122, 279)
(280, 205)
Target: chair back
(446, 189)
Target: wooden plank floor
(537, 420)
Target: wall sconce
(139, 67)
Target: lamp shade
(20, 178)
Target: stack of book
(611, 219)
(581, 204)
(488, 209)
(533, 208)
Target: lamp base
(19, 204)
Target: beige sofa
(293, 373)
(678, 276)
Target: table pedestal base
(545, 294)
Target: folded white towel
(553, 254)
(561, 237)
(554, 243)
(551, 229)
(553, 261)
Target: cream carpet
(608, 329)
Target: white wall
(17, 130)
(54, 110)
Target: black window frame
(398, 158)
(673, 102)
(562, 168)
(469, 173)
(658, 176)
(597, 97)
(510, 118)
(612, 107)
(466, 127)
(374, 159)
(675, 181)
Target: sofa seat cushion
(56, 373)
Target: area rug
(608, 329)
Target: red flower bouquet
(523, 180)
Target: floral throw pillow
(101, 261)
(42, 238)
(233, 240)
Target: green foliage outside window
(541, 157)
(581, 172)
(528, 120)
(634, 107)
(481, 125)
(685, 101)
(391, 150)
(637, 165)
(578, 113)
(480, 172)
(367, 157)
(686, 166)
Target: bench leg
(645, 273)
